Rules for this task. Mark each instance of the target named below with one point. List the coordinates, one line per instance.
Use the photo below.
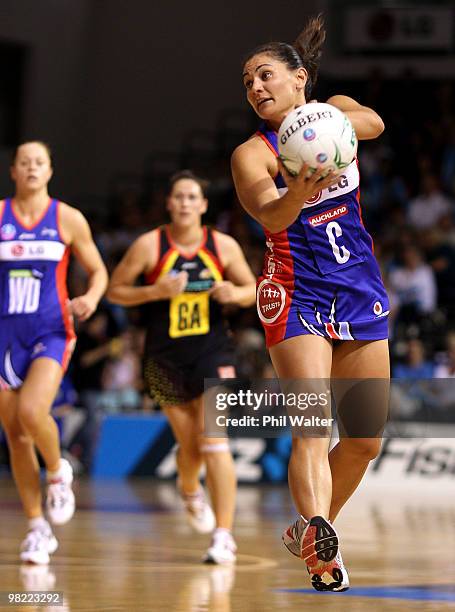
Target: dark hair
(40, 142)
(304, 53)
(188, 174)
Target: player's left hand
(224, 292)
(83, 307)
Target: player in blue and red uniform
(321, 298)
(37, 234)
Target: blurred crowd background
(407, 175)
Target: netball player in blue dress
(321, 298)
(37, 234)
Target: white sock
(222, 531)
(55, 475)
(38, 523)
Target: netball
(317, 134)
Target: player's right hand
(305, 185)
(170, 285)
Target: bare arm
(139, 259)
(79, 236)
(253, 166)
(365, 121)
(240, 286)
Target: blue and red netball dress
(320, 275)
(34, 319)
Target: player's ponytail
(308, 45)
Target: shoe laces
(194, 502)
(297, 529)
(58, 494)
(35, 539)
(224, 539)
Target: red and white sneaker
(330, 577)
(60, 502)
(316, 543)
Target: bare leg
(184, 421)
(24, 462)
(349, 459)
(34, 401)
(309, 477)
(221, 479)
(299, 358)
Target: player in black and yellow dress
(187, 337)
(190, 272)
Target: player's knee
(16, 436)
(29, 417)
(364, 448)
(303, 446)
(189, 451)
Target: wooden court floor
(128, 548)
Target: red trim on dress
(275, 332)
(269, 144)
(151, 277)
(331, 331)
(30, 227)
(217, 252)
(360, 206)
(214, 259)
(175, 247)
(58, 219)
(62, 293)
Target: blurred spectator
(93, 350)
(122, 377)
(447, 226)
(414, 284)
(430, 205)
(415, 365)
(251, 353)
(447, 368)
(448, 160)
(441, 257)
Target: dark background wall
(108, 81)
(55, 37)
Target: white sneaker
(198, 511)
(38, 545)
(60, 502)
(222, 549)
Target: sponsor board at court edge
(401, 461)
(429, 460)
